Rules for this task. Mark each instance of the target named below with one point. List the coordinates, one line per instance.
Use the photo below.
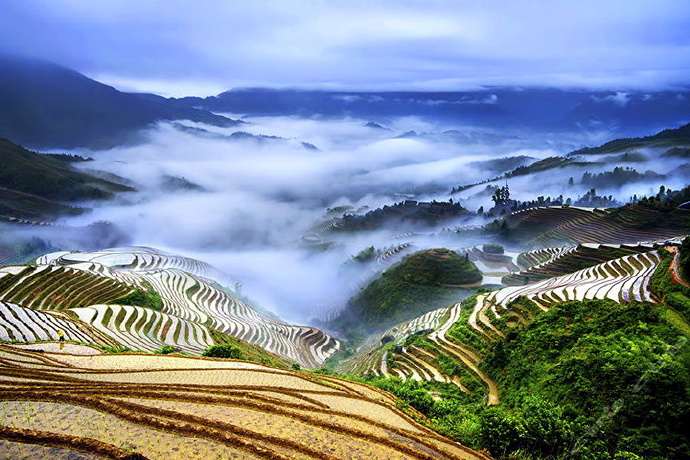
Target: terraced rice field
(555, 225)
(541, 264)
(623, 279)
(27, 325)
(371, 357)
(84, 285)
(133, 407)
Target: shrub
(167, 349)
(118, 349)
(223, 351)
(140, 298)
(492, 248)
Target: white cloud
(439, 44)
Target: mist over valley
(344, 230)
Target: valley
(320, 274)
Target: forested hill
(36, 187)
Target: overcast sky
(183, 47)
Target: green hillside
(585, 380)
(36, 187)
(421, 282)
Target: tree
(501, 196)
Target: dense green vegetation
(618, 177)
(620, 371)
(585, 380)
(412, 212)
(166, 350)
(365, 255)
(141, 298)
(48, 177)
(223, 351)
(674, 296)
(685, 258)
(657, 211)
(421, 282)
(250, 352)
(544, 165)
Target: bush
(167, 349)
(223, 351)
(366, 255)
(140, 298)
(118, 349)
(492, 248)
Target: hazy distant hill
(667, 138)
(46, 105)
(533, 108)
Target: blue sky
(176, 47)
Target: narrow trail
(675, 266)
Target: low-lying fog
(245, 204)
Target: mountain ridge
(46, 105)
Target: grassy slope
(659, 211)
(580, 360)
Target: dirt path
(60, 347)
(675, 266)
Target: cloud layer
(260, 197)
(183, 47)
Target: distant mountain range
(44, 105)
(539, 109)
